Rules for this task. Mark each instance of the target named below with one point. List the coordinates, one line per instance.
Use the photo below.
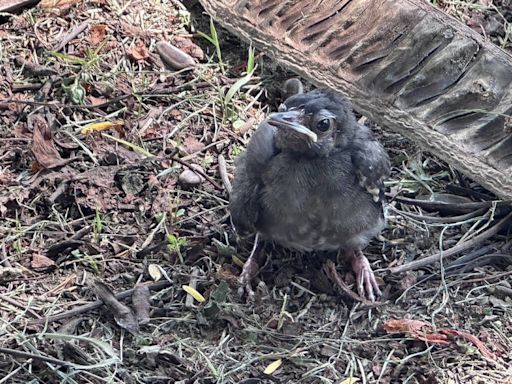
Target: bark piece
(16, 5)
(406, 65)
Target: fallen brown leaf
(418, 329)
(472, 339)
(191, 145)
(43, 146)
(408, 280)
(187, 46)
(41, 262)
(95, 101)
(132, 30)
(101, 126)
(139, 52)
(97, 34)
(123, 315)
(425, 332)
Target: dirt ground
(112, 168)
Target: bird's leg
(365, 279)
(251, 267)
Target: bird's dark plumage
(312, 179)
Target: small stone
(174, 57)
(189, 178)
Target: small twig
(71, 35)
(22, 306)
(4, 259)
(47, 359)
(442, 220)
(454, 250)
(97, 304)
(499, 276)
(35, 69)
(224, 174)
(206, 147)
(452, 207)
(187, 87)
(59, 191)
(63, 105)
(78, 235)
(26, 87)
(151, 236)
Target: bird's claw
(245, 284)
(365, 278)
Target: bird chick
(311, 179)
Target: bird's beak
(293, 120)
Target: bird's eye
(323, 125)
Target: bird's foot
(365, 278)
(250, 270)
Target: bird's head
(313, 124)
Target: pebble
(174, 57)
(189, 178)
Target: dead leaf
(153, 181)
(236, 260)
(244, 128)
(272, 367)
(6, 177)
(194, 293)
(132, 30)
(191, 145)
(139, 52)
(155, 272)
(418, 329)
(97, 34)
(176, 113)
(43, 146)
(16, 194)
(423, 331)
(350, 380)
(101, 126)
(95, 101)
(187, 46)
(408, 280)
(123, 315)
(41, 262)
(472, 339)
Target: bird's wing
(371, 163)
(244, 202)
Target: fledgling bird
(311, 179)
